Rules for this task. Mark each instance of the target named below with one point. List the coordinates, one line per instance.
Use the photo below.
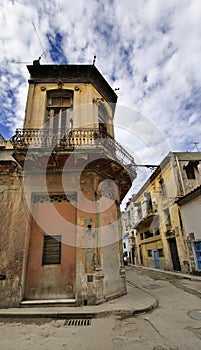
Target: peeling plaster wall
(14, 219)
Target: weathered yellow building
(155, 215)
(61, 183)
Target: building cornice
(72, 74)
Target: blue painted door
(197, 247)
(156, 262)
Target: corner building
(62, 179)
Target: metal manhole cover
(195, 314)
(78, 322)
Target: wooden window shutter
(51, 250)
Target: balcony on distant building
(151, 218)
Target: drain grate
(78, 322)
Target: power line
(39, 41)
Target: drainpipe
(180, 175)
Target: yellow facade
(86, 105)
(156, 217)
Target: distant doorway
(197, 247)
(174, 254)
(141, 258)
(156, 260)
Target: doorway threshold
(48, 302)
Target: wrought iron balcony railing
(74, 139)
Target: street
(175, 324)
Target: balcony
(48, 138)
(58, 141)
(151, 218)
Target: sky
(148, 49)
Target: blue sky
(149, 49)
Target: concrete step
(47, 303)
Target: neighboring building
(129, 233)
(125, 234)
(190, 206)
(2, 141)
(61, 183)
(125, 239)
(161, 240)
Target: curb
(75, 315)
(124, 306)
(59, 315)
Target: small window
(141, 236)
(124, 245)
(190, 173)
(160, 253)
(51, 250)
(157, 232)
(167, 217)
(89, 228)
(139, 213)
(149, 253)
(162, 185)
(148, 202)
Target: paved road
(168, 327)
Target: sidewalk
(135, 301)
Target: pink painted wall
(52, 281)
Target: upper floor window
(190, 173)
(190, 169)
(139, 213)
(148, 234)
(157, 232)
(163, 188)
(167, 217)
(59, 115)
(149, 207)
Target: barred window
(51, 250)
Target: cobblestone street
(173, 325)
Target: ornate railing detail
(37, 138)
(76, 138)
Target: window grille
(51, 250)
